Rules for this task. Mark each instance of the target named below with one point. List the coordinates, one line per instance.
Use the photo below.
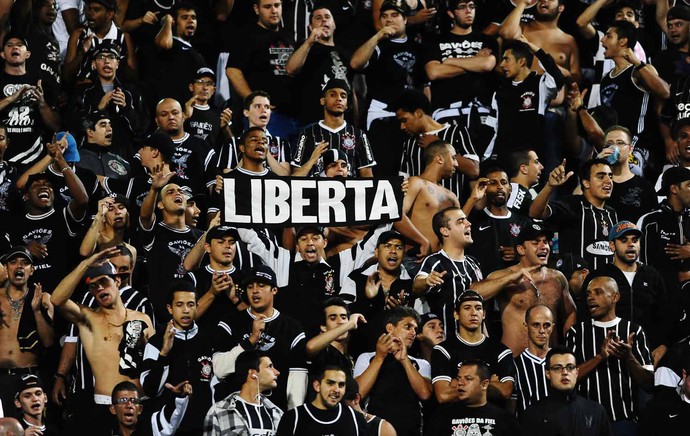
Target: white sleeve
(362, 364)
(224, 363)
(161, 426)
(297, 383)
(424, 368)
(278, 258)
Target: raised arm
(322, 340)
(361, 57)
(584, 21)
(159, 178)
(538, 209)
(164, 37)
(510, 28)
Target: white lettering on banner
(278, 201)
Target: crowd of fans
(537, 283)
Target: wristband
(639, 67)
(65, 169)
(582, 107)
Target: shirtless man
(19, 357)
(542, 286)
(544, 32)
(426, 195)
(103, 330)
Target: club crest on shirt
(347, 141)
(515, 229)
(527, 100)
(206, 368)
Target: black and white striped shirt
(530, 379)
(610, 383)
(413, 162)
(348, 138)
(460, 275)
(228, 154)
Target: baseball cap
(623, 227)
(570, 263)
(305, 229)
(531, 232)
(108, 4)
(263, 274)
(94, 272)
(93, 118)
(678, 13)
(27, 381)
(218, 232)
(388, 236)
(37, 176)
(468, 295)
(119, 198)
(205, 72)
(163, 143)
(398, 5)
(110, 46)
(426, 318)
(17, 251)
(673, 176)
(333, 155)
(337, 83)
(71, 154)
(13, 34)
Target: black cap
(388, 236)
(14, 34)
(219, 232)
(119, 198)
(108, 4)
(163, 143)
(468, 295)
(532, 231)
(398, 5)
(38, 176)
(337, 83)
(261, 273)
(15, 252)
(93, 118)
(94, 272)
(678, 13)
(333, 155)
(570, 263)
(111, 46)
(310, 228)
(205, 72)
(673, 176)
(27, 381)
(426, 318)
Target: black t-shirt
(22, 118)
(323, 63)
(464, 87)
(45, 58)
(394, 66)
(633, 198)
(262, 57)
(452, 419)
(204, 124)
(307, 420)
(192, 157)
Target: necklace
(537, 290)
(16, 305)
(109, 324)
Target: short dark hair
(125, 251)
(483, 369)
(434, 149)
(632, 4)
(4, 127)
(517, 158)
(184, 5)
(440, 220)
(124, 386)
(333, 301)
(557, 350)
(520, 51)
(586, 168)
(179, 285)
(625, 29)
(330, 367)
(410, 100)
(491, 166)
(318, 5)
(243, 136)
(250, 359)
(252, 95)
(398, 313)
(619, 128)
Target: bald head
(169, 117)
(10, 427)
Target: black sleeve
(287, 423)
(550, 67)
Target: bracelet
(65, 169)
(640, 66)
(582, 107)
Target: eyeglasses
(104, 57)
(204, 82)
(470, 6)
(101, 283)
(125, 400)
(559, 368)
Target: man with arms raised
(113, 336)
(542, 286)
